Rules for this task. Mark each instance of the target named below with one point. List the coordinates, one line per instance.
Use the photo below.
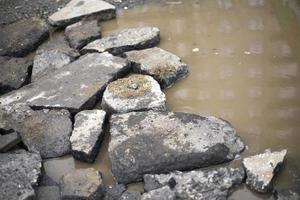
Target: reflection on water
(243, 68)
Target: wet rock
(82, 184)
(164, 66)
(76, 86)
(75, 10)
(9, 141)
(48, 193)
(125, 40)
(82, 33)
(22, 37)
(19, 173)
(114, 192)
(127, 195)
(45, 131)
(48, 62)
(159, 142)
(15, 72)
(261, 168)
(199, 184)
(134, 93)
(284, 194)
(163, 193)
(87, 134)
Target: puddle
(244, 60)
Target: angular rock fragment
(125, 40)
(163, 193)
(127, 195)
(76, 86)
(44, 131)
(261, 168)
(16, 43)
(164, 66)
(15, 72)
(83, 32)
(210, 184)
(87, 134)
(284, 194)
(82, 184)
(8, 141)
(48, 193)
(134, 93)
(159, 142)
(47, 62)
(19, 173)
(114, 192)
(75, 10)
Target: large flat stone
(134, 93)
(159, 142)
(87, 134)
(44, 131)
(22, 37)
(75, 86)
(75, 10)
(15, 72)
(125, 40)
(164, 66)
(9, 141)
(19, 173)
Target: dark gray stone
(284, 194)
(212, 184)
(159, 142)
(87, 134)
(125, 40)
(76, 86)
(9, 141)
(114, 192)
(15, 72)
(163, 193)
(45, 131)
(48, 193)
(75, 10)
(164, 66)
(83, 32)
(261, 168)
(127, 195)
(22, 37)
(19, 173)
(82, 184)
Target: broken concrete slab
(134, 93)
(199, 184)
(82, 184)
(48, 193)
(164, 66)
(76, 10)
(16, 43)
(125, 40)
(261, 168)
(82, 33)
(87, 134)
(44, 131)
(19, 173)
(8, 141)
(15, 73)
(48, 62)
(75, 87)
(159, 142)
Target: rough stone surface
(134, 93)
(125, 40)
(114, 192)
(8, 141)
(87, 134)
(76, 86)
(48, 193)
(45, 131)
(75, 10)
(212, 184)
(83, 32)
(127, 195)
(82, 184)
(19, 173)
(163, 193)
(159, 142)
(16, 43)
(164, 66)
(15, 72)
(47, 62)
(261, 168)
(286, 195)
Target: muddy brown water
(243, 57)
